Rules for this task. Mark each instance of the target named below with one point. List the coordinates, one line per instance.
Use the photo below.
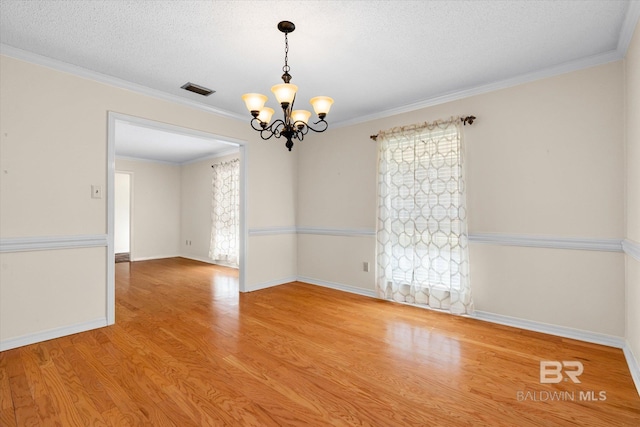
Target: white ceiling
(136, 141)
(373, 57)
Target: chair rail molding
(631, 248)
(502, 239)
(337, 231)
(44, 243)
(550, 242)
(272, 231)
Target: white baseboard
(546, 328)
(270, 283)
(312, 281)
(208, 261)
(197, 258)
(337, 286)
(51, 334)
(634, 367)
(576, 334)
(149, 258)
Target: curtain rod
(464, 120)
(222, 163)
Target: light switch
(96, 191)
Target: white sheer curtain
(422, 229)
(225, 213)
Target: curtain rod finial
(468, 119)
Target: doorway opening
(172, 172)
(122, 216)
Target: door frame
(113, 119)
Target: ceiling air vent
(200, 90)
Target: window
(422, 237)
(225, 213)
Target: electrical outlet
(365, 267)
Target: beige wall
(122, 213)
(172, 206)
(46, 290)
(53, 145)
(195, 224)
(337, 260)
(156, 208)
(544, 158)
(273, 197)
(277, 263)
(571, 288)
(272, 174)
(632, 80)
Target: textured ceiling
(372, 57)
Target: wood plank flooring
(187, 350)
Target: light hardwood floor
(187, 350)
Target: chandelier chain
(286, 67)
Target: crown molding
(628, 27)
(626, 34)
(213, 156)
(144, 160)
(631, 20)
(75, 70)
(567, 67)
(188, 162)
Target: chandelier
(295, 124)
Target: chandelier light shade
(265, 114)
(295, 123)
(285, 93)
(254, 101)
(300, 116)
(321, 105)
